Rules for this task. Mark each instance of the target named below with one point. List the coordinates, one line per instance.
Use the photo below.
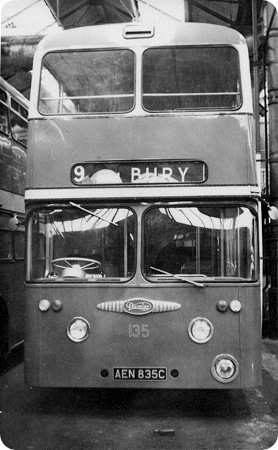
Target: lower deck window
(217, 242)
(12, 241)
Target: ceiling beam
(17, 54)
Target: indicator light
(44, 305)
(200, 330)
(57, 305)
(78, 329)
(222, 306)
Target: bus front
(143, 217)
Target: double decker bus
(143, 260)
(13, 155)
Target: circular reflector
(200, 330)
(78, 329)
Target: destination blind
(139, 172)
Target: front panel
(136, 348)
(221, 142)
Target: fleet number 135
(135, 330)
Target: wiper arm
(92, 214)
(186, 280)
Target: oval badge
(138, 306)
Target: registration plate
(140, 374)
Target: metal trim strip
(147, 191)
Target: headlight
(200, 330)
(78, 329)
(225, 368)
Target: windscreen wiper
(92, 214)
(186, 280)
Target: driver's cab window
(82, 242)
(216, 242)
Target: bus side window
(19, 244)
(4, 115)
(6, 244)
(19, 128)
(4, 124)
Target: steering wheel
(88, 263)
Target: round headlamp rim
(88, 329)
(199, 341)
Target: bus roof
(141, 34)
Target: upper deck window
(191, 78)
(87, 82)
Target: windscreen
(217, 242)
(80, 82)
(85, 242)
(82, 243)
(189, 78)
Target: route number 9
(79, 174)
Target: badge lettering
(138, 307)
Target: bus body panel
(222, 142)
(250, 336)
(114, 36)
(14, 296)
(155, 340)
(13, 159)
